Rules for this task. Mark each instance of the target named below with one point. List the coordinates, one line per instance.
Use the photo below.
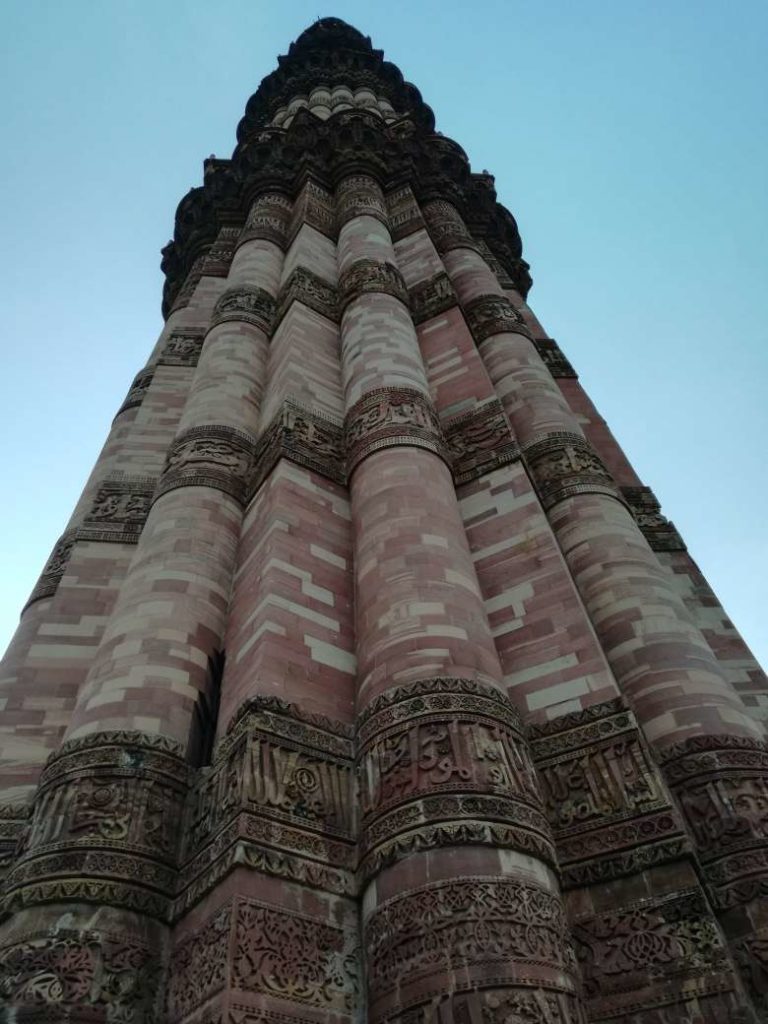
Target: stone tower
(367, 680)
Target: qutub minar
(368, 681)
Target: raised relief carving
(480, 441)
(313, 291)
(245, 305)
(552, 355)
(493, 314)
(219, 257)
(446, 227)
(199, 965)
(656, 528)
(360, 196)
(137, 391)
(14, 821)
(386, 417)
(305, 437)
(366, 276)
(432, 297)
(315, 207)
(495, 264)
(182, 348)
(404, 214)
(212, 456)
(268, 220)
(191, 282)
(54, 569)
(119, 510)
(562, 464)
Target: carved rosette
(268, 220)
(480, 441)
(442, 762)
(562, 464)
(656, 528)
(105, 826)
(432, 297)
(307, 438)
(404, 213)
(137, 391)
(721, 785)
(278, 798)
(360, 196)
(446, 227)
(603, 795)
(245, 305)
(306, 287)
(552, 356)
(119, 510)
(493, 314)
(212, 456)
(314, 207)
(182, 348)
(69, 975)
(387, 417)
(54, 569)
(435, 943)
(367, 276)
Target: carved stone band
(562, 465)
(366, 276)
(432, 297)
(137, 390)
(604, 796)
(246, 305)
(119, 510)
(656, 528)
(387, 417)
(105, 826)
(360, 196)
(182, 348)
(552, 355)
(306, 438)
(219, 257)
(480, 441)
(306, 287)
(54, 569)
(268, 220)
(213, 456)
(493, 314)
(314, 207)
(404, 214)
(446, 227)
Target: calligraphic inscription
(431, 298)
(404, 214)
(656, 528)
(496, 266)
(191, 282)
(366, 276)
(245, 305)
(553, 358)
(387, 417)
(360, 196)
(480, 441)
(182, 348)
(493, 314)
(119, 510)
(137, 390)
(218, 259)
(562, 465)
(212, 456)
(314, 207)
(306, 287)
(307, 438)
(268, 220)
(54, 569)
(446, 227)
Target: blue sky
(627, 138)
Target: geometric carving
(603, 795)
(656, 528)
(212, 456)
(366, 276)
(137, 390)
(54, 569)
(308, 438)
(446, 227)
(268, 220)
(119, 510)
(493, 314)
(360, 196)
(553, 358)
(404, 214)
(479, 442)
(182, 348)
(314, 207)
(432, 297)
(14, 819)
(198, 967)
(562, 464)
(306, 287)
(218, 259)
(245, 305)
(385, 417)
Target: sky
(628, 139)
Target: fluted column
(713, 754)
(458, 891)
(111, 799)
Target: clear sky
(629, 140)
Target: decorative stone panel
(432, 297)
(119, 510)
(315, 207)
(404, 213)
(305, 437)
(360, 196)
(552, 356)
(218, 259)
(54, 569)
(268, 220)
(386, 417)
(212, 456)
(480, 441)
(446, 227)
(313, 291)
(562, 464)
(657, 529)
(182, 348)
(245, 305)
(137, 390)
(14, 820)
(493, 314)
(367, 276)
(191, 282)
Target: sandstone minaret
(367, 680)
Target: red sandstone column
(712, 752)
(110, 801)
(458, 892)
